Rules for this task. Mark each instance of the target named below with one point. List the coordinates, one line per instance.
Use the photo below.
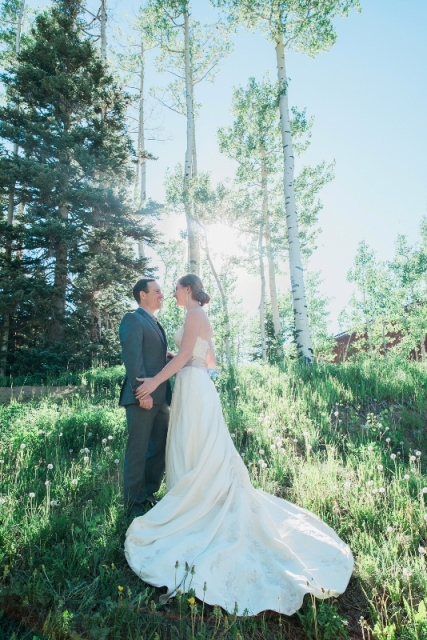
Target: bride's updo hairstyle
(193, 281)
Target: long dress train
(249, 547)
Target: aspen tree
(304, 26)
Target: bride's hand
(146, 389)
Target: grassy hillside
(347, 442)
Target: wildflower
(261, 452)
(82, 450)
(32, 495)
(233, 435)
(272, 447)
(85, 450)
(104, 440)
(116, 461)
(336, 413)
(2, 500)
(1, 461)
(107, 448)
(412, 458)
(74, 481)
(347, 484)
(374, 490)
(22, 446)
(60, 435)
(89, 433)
(422, 551)
(250, 430)
(70, 451)
(424, 490)
(305, 434)
(191, 601)
(401, 442)
(406, 572)
(370, 448)
(381, 490)
(282, 450)
(393, 456)
(50, 467)
(370, 483)
(418, 453)
(47, 483)
(120, 588)
(388, 440)
(110, 437)
(380, 467)
(86, 459)
(390, 529)
(85, 424)
(54, 503)
(295, 440)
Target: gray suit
(144, 348)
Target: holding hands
(146, 389)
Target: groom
(144, 353)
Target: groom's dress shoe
(151, 500)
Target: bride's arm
(193, 321)
(210, 358)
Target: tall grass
(346, 441)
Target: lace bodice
(200, 351)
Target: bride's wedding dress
(249, 547)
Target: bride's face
(181, 294)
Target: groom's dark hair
(141, 285)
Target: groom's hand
(146, 403)
(170, 355)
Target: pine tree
(66, 113)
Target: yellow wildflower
(119, 588)
(191, 601)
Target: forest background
(346, 202)
(94, 168)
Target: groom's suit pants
(145, 453)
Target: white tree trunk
(141, 171)
(10, 213)
(423, 349)
(302, 327)
(262, 301)
(271, 266)
(224, 304)
(103, 21)
(192, 227)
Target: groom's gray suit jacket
(144, 349)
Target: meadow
(346, 441)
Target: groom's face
(153, 300)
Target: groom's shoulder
(131, 318)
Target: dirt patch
(22, 394)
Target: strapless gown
(249, 547)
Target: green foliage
(66, 279)
(320, 433)
(307, 26)
(387, 310)
(321, 621)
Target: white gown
(249, 547)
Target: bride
(242, 546)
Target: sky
(368, 95)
